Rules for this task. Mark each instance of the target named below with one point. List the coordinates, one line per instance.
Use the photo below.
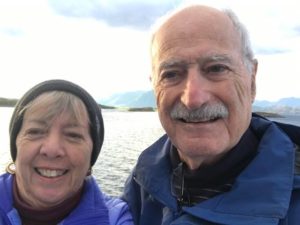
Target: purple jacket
(94, 208)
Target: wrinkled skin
(197, 59)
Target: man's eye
(169, 75)
(217, 69)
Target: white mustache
(206, 112)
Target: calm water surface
(126, 135)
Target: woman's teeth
(50, 173)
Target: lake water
(126, 135)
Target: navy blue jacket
(266, 192)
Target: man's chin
(201, 153)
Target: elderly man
(218, 163)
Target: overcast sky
(79, 40)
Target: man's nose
(196, 89)
(52, 146)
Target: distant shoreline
(269, 114)
(4, 102)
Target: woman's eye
(74, 135)
(35, 132)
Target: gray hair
(246, 48)
(60, 102)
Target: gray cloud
(136, 14)
(12, 31)
(296, 29)
(269, 50)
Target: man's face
(198, 63)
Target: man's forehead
(195, 16)
(183, 29)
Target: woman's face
(53, 157)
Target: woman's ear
(89, 172)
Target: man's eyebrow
(172, 63)
(214, 58)
(201, 60)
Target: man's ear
(253, 79)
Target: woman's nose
(52, 145)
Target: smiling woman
(56, 134)
(54, 149)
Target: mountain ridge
(142, 99)
(145, 99)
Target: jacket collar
(261, 193)
(91, 207)
(153, 172)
